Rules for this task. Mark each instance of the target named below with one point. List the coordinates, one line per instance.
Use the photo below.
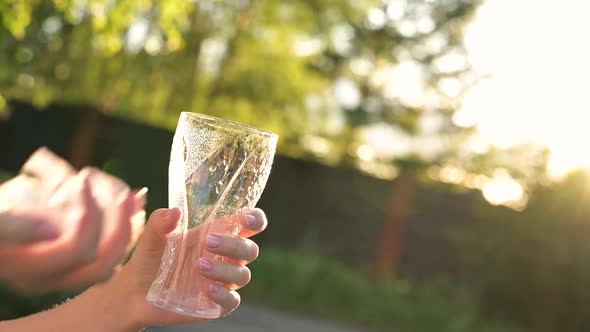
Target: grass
(319, 287)
(326, 289)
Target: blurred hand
(134, 281)
(62, 230)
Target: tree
(321, 73)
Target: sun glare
(535, 56)
(502, 189)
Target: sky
(536, 55)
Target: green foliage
(13, 305)
(324, 288)
(271, 64)
(114, 167)
(149, 60)
(238, 59)
(532, 267)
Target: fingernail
(214, 288)
(140, 198)
(141, 192)
(213, 241)
(205, 265)
(45, 231)
(251, 222)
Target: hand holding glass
(218, 169)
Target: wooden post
(390, 242)
(83, 146)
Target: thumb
(152, 241)
(25, 228)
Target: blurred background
(430, 174)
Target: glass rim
(228, 124)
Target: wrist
(111, 305)
(102, 307)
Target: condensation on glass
(218, 168)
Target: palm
(134, 281)
(141, 277)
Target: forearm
(97, 309)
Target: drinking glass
(218, 169)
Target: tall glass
(218, 168)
